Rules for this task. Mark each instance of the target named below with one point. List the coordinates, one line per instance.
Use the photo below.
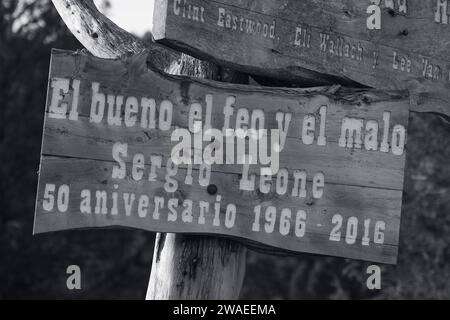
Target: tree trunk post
(197, 267)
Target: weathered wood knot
(403, 32)
(392, 12)
(211, 189)
(309, 201)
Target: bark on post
(184, 266)
(196, 267)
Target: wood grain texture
(197, 267)
(104, 39)
(97, 33)
(358, 183)
(318, 41)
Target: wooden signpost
(114, 128)
(126, 144)
(385, 44)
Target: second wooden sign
(395, 44)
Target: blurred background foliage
(116, 264)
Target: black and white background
(115, 264)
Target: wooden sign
(385, 44)
(327, 177)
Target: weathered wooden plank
(88, 157)
(81, 174)
(355, 168)
(394, 44)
